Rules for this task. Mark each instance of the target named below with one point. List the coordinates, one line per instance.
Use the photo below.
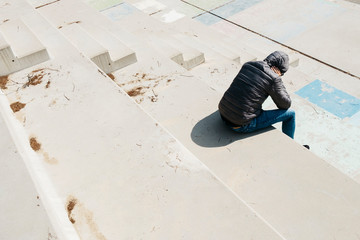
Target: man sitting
(241, 105)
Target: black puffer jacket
(254, 83)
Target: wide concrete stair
(145, 154)
(107, 169)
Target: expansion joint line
(275, 41)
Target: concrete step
(19, 47)
(177, 51)
(23, 215)
(267, 169)
(113, 162)
(121, 55)
(105, 50)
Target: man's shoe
(307, 146)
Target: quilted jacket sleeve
(279, 94)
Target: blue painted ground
(226, 11)
(331, 99)
(117, 12)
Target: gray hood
(278, 59)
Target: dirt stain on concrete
(34, 144)
(136, 91)
(35, 77)
(111, 76)
(74, 22)
(48, 84)
(17, 106)
(71, 203)
(46, 4)
(3, 81)
(49, 160)
(83, 219)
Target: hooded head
(278, 59)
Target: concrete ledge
(121, 55)
(191, 56)
(108, 53)
(20, 48)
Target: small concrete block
(120, 54)
(192, 60)
(19, 47)
(107, 52)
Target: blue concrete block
(331, 99)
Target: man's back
(243, 101)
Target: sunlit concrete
(142, 153)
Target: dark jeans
(270, 117)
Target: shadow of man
(211, 132)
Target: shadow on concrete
(212, 132)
